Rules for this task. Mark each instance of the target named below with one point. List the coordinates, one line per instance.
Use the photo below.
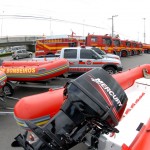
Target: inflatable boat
(124, 126)
(33, 70)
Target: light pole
(2, 25)
(83, 26)
(112, 18)
(144, 29)
(50, 26)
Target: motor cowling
(93, 101)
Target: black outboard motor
(95, 103)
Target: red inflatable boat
(134, 126)
(33, 70)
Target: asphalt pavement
(8, 126)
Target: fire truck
(50, 45)
(114, 45)
(109, 44)
(146, 48)
(131, 48)
(104, 42)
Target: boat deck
(137, 112)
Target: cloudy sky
(57, 17)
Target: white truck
(83, 59)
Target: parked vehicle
(107, 43)
(50, 44)
(84, 59)
(115, 45)
(22, 53)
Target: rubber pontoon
(29, 71)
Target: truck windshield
(140, 45)
(134, 44)
(99, 51)
(89, 54)
(128, 44)
(107, 41)
(116, 42)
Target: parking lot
(8, 126)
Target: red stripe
(81, 63)
(103, 63)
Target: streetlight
(50, 26)
(2, 24)
(83, 26)
(144, 29)
(112, 18)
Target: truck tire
(8, 90)
(65, 75)
(124, 53)
(30, 55)
(17, 57)
(110, 70)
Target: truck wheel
(17, 57)
(138, 52)
(30, 55)
(124, 54)
(8, 90)
(110, 70)
(65, 75)
(132, 53)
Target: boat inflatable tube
(39, 108)
(34, 70)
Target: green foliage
(5, 54)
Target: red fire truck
(124, 48)
(146, 48)
(49, 45)
(116, 46)
(104, 42)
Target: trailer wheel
(110, 70)
(8, 90)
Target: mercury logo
(108, 90)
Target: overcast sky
(79, 16)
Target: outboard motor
(94, 105)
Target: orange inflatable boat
(134, 127)
(33, 70)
